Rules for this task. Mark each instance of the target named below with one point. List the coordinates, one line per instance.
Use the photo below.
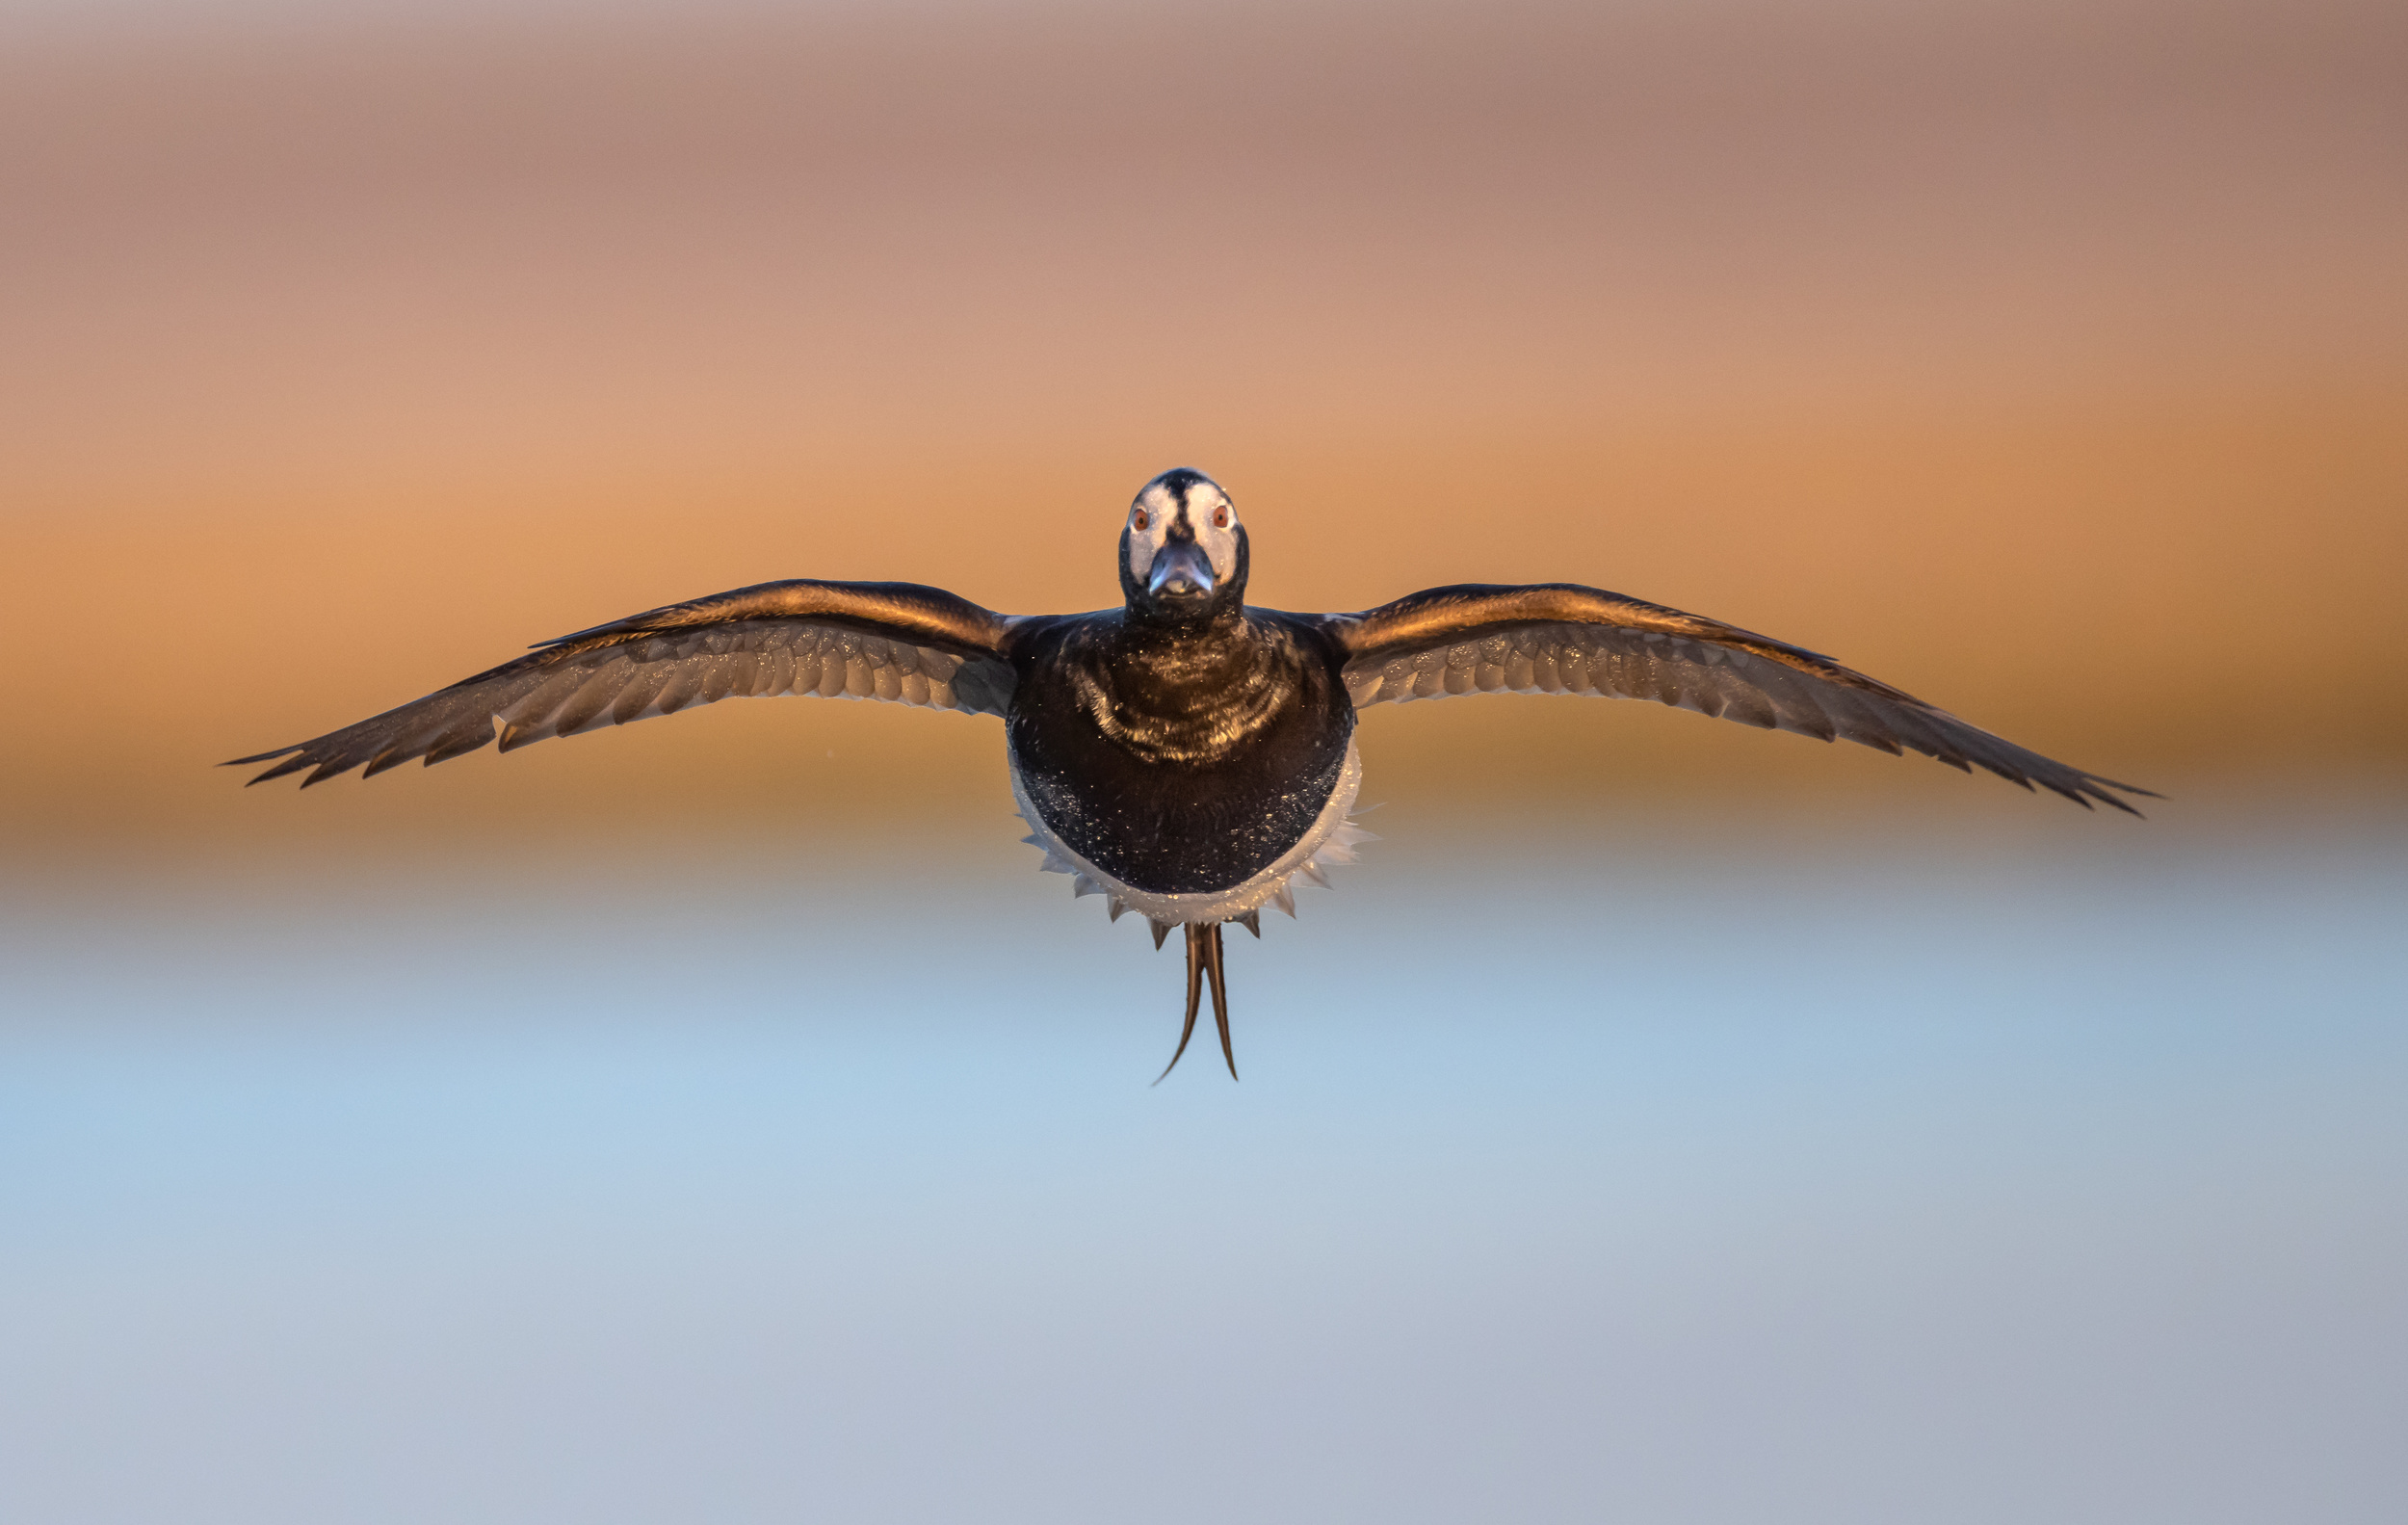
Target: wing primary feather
(391, 757)
(260, 757)
(290, 765)
(591, 699)
(459, 741)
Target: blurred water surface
(1595, 1172)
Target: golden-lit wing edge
(896, 642)
(1563, 638)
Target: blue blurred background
(1690, 1167)
(723, 1120)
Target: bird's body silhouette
(1186, 755)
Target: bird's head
(1182, 551)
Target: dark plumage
(1185, 755)
(1203, 754)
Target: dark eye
(1137, 520)
(1221, 518)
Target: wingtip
(286, 769)
(2107, 791)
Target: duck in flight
(1186, 755)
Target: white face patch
(1208, 512)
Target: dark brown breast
(1178, 760)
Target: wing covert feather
(893, 642)
(1561, 638)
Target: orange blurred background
(2051, 362)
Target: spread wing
(883, 641)
(1560, 638)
